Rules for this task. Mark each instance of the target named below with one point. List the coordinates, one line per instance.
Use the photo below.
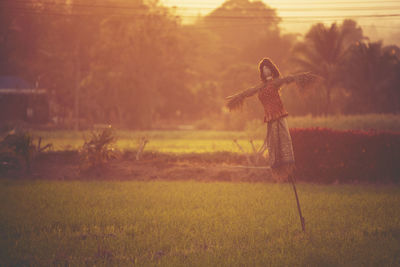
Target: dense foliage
(327, 156)
(136, 65)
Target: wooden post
(141, 148)
(39, 143)
(302, 220)
(240, 147)
(256, 155)
(252, 145)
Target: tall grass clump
(17, 149)
(98, 150)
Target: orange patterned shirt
(271, 100)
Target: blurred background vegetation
(137, 66)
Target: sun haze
(379, 19)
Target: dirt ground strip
(201, 167)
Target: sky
(380, 19)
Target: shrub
(16, 149)
(326, 156)
(98, 150)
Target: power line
(260, 25)
(35, 11)
(321, 20)
(271, 3)
(144, 7)
(336, 8)
(300, 17)
(312, 2)
(285, 20)
(372, 8)
(140, 7)
(241, 25)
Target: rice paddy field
(198, 222)
(188, 223)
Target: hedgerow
(325, 155)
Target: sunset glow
(298, 16)
(199, 132)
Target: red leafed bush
(327, 156)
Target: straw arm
(304, 80)
(248, 92)
(280, 81)
(236, 101)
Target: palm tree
(323, 51)
(369, 73)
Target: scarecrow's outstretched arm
(280, 81)
(235, 101)
(248, 92)
(253, 90)
(303, 81)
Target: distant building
(20, 101)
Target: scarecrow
(277, 140)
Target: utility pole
(77, 84)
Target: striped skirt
(279, 144)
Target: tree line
(137, 66)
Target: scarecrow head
(268, 69)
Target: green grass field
(159, 141)
(191, 223)
(190, 141)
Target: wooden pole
(302, 220)
(141, 148)
(241, 149)
(77, 85)
(256, 155)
